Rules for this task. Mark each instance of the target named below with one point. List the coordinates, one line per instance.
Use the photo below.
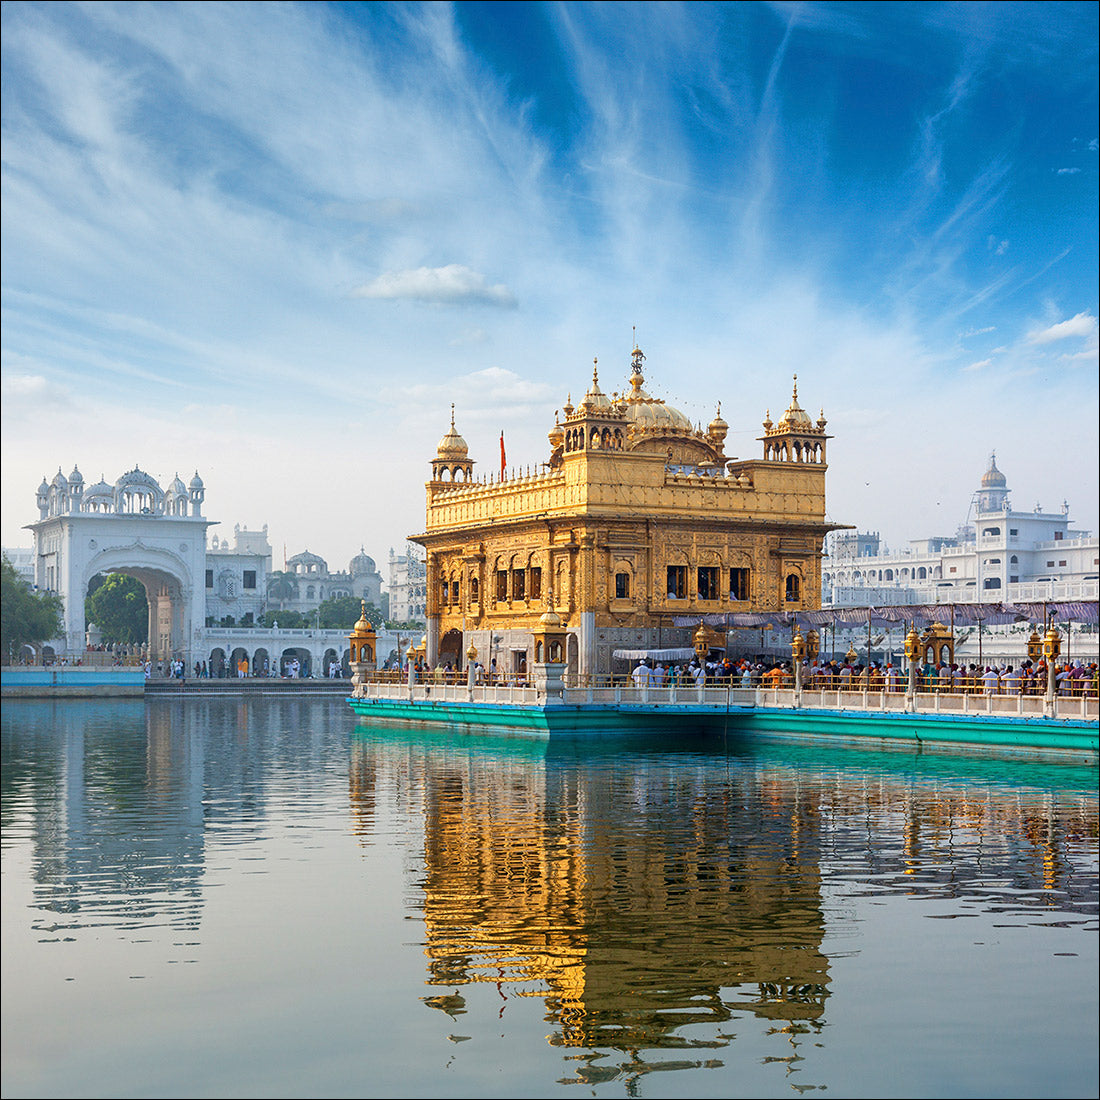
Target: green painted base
(1000, 733)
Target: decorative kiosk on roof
(635, 520)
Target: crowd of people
(1072, 678)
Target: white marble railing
(719, 698)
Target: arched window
(793, 588)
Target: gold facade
(635, 520)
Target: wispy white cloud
(32, 393)
(454, 284)
(234, 208)
(1067, 171)
(1082, 324)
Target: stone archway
(240, 666)
(296, 663)
(328, 661)
(169, 590)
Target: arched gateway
(135, 527)
(159, 536)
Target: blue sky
(274, 243)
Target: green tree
(26, 617)
(342, 613)
(118, 606)
(287, 620)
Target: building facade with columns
(635, 520)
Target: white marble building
(408, 586)
(306, 582)
(1003, 556)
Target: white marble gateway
(159, 535)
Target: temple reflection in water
(638, 898)
(648, 895)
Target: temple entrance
(519, 664)
(450, 649)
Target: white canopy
(683, 653)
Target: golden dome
(648, 413)
(550, 620)
(556, 435)
(717, 424)
(795, 416)
(363, 626)
(993, 478)
(452, 445)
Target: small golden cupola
(452, 460)
(361, 641)
(716, 430)
(596, 424)
(595, 400)
(795, 438)
(556, 436)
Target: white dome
(138, 480)
(362, 563)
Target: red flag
(501, 456)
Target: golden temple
(636, 520)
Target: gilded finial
(595, 371)
(796, 387)
(452, 414)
